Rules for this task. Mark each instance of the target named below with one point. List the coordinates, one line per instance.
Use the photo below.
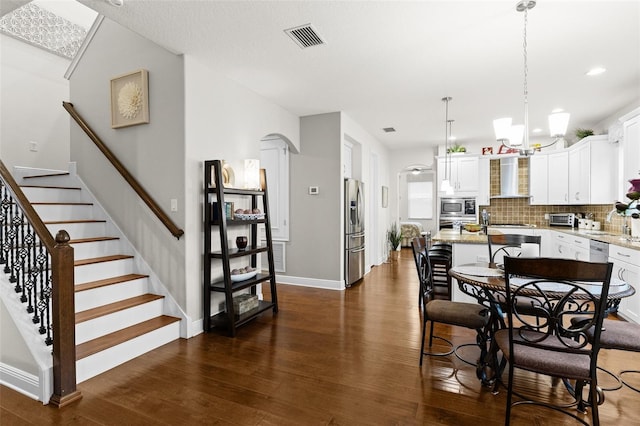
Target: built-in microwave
(454, 207)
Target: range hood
(509, 179)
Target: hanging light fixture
(445, 186)
(517, 137)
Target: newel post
(63, 319)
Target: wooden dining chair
(553, 346)
(469, 315)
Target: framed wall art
(130, 99)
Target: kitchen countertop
(449, 236)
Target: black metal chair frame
(507, 242)
(553, 335)
(426, 290)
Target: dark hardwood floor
(327, 358)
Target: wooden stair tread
(108, 281)
(92, 260)
(92, 240)
(51, 187)
(91, 347)
(58, 222)
(120, 305)
(46, 175)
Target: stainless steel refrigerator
(354, 231)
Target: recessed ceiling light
(596, 71)
(557, 110)
(537, 130)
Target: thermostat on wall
(314, 190)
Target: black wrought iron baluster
(29, 277)
(5, 202)
(14, 225)
(45, 308)
(41, 278)
(21, 265)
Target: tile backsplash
(518, 210)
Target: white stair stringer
(102, 282)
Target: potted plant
(394, 236)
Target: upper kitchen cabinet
(630, 150)
(590, 164)
(484, 181)
(539, 179)
(558, 183)
(462, 170)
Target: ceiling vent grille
(305, 36)
(388, 129)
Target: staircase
(118, 316)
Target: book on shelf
(227, 210)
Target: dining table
(486, 283)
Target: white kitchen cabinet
(567, 246)
(579, 164)
(484, 181)
(558, 178)
(463, 170)
(545, 241)
(625, 267)
(630, 151)
(539, 179)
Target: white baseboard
(310, 282)
(20, 381)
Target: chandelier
(517, 136)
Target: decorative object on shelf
(228, 176)
(245, 302)
(583, 133)
(457, 148)
(487, 150)
(252, 174)
(241, 242)
(243, 274)
(445, 185)
(130, 99)
(517, 136)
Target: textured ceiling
(389, 63)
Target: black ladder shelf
(216, 216)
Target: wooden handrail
(62, 297)
(155, 208)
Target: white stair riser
(89, 299)
(52, 195)
(99, 363)
(98, 249)
(106, 324)
(48, 212)
(79, 230)
(102, 270)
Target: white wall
(223, 121)
(31, 95)
(153, 153)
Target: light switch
(314, 190)
(174, 205)
(33, 146)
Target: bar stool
(440, 257)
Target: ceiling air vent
(388, 129)
(305, 36)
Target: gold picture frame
(130, 99)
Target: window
(420, 196)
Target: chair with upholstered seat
(468, 315)
(553, 347)
(619, 335)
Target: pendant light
(445, 186)
(517, 137)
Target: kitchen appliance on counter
(563, 219)
(354, 231)
(461, 210)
